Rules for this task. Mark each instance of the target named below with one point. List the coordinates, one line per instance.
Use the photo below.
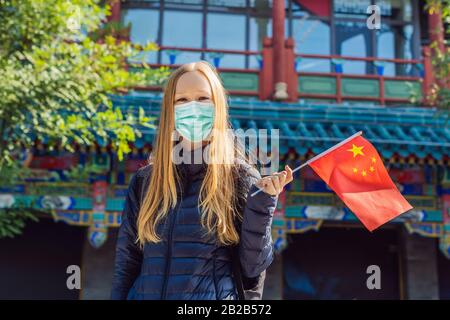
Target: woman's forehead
(193, 81)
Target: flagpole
(319, 156)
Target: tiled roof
(421, 131)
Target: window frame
(250, 12)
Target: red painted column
(436, 35)
(279, 72)
(115, 10)
(266, 73)
(428, 78)
(436, 29)
(292, 77)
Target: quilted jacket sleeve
(128, 254)
(255, 246)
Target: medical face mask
(194, 120)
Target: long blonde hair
(217, 194)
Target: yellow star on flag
(356, 150)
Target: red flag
(355, 171)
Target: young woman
(180, 217)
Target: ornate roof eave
(419, 132)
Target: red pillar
(292, 77)
(115, 10)
(266, 73)
(279, 71)
(428, 78)
(436, 35)
(436, 29)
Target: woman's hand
(275, 183)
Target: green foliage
(81, 173)
(12, 220)
(60, 61)
(440, 92)
(114, 28)
(54, 77)
(13, 174)
(442, 6)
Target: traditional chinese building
(318, 71)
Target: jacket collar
(192, 164)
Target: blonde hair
(217, 193)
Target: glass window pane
(260, 27)
(230, 61)
(144, 28)
(182, 57)
(312, 37)
(395, 9)
(354, 39)
(395, 42)
(260, 22)
(182, 29)
(313, 65)
(227, 31)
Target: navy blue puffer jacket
(186, 265)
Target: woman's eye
(204, 98)
(181, 99)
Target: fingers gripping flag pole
(354, 170)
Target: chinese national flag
(355, 171)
